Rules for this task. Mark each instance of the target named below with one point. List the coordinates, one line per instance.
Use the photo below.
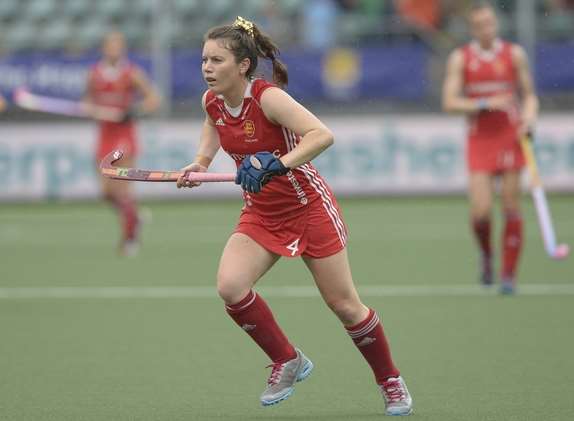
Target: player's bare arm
(151, 99)
(280, 108)
(2, 103)
(208, 147)
(88, 98)
(209, 139)
(530, 105)
(453, 98)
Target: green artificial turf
(464, 356)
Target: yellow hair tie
(244, 24)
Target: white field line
(280, 291)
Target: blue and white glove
(256, 170)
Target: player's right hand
(127, 116)
(500, 102)
(183, 181)
(130, 114)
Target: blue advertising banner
(396, 72)
(554, 68)
(54, 74)
(339, 74)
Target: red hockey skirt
(494, 155)
(316, 231)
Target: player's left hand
(256, 170)
(183, 181)
(526, 129)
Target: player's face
(220, 70)
(484, 26)
(114, 47)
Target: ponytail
(266, 48)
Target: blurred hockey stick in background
(46, 104)
(554, 250)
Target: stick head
(110, 158)
(562, 251)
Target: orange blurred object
(425, 14)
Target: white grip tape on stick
(544, 220)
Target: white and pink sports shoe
(281, 382)
(398, 400)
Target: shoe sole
(306, 372)
(397, 414)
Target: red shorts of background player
(114, 136)
(494, 155)
(312, 231)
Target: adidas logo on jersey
(219, 122)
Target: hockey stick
(134, 174)
(554, 250)
(27, 100)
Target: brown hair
(250, 43)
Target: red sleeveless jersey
(251, 132)
(112, 86)
(489, 73)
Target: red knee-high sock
(481, 229)
(512, 244)
(127, 210)
(370, 339)
(130, 218)
(254, 316)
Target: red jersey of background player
(249, 132)
(493, 135)
(113, 86)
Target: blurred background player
(2, 103)
(489, 80)
(117, 82)
(272, 137)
